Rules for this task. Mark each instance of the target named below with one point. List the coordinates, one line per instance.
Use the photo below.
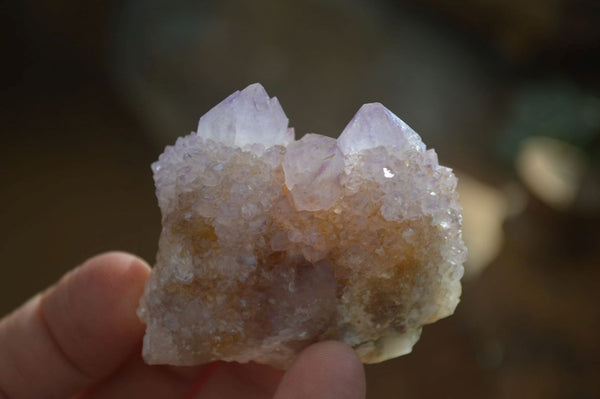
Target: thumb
(325, 370)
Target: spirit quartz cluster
(270, 244)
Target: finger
(234, 380)
(138, 380)
(325, 370)
(77, 332)
(215, 380)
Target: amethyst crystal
(270, 244)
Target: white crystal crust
(270, 244)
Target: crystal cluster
(270, 244)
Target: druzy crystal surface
(270, 244)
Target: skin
(81, 338)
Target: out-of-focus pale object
(552, 169)
(485, 208)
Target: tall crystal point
(373, 126)
(270, 244)
(245, 118)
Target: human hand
(81, 338)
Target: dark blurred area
(508, 92)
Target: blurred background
(508, 92)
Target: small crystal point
(312, 167)
(247, 117)
(373, 126)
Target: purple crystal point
(312, 167)
(247, 117)
(374, 125)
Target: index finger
(77, 332)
